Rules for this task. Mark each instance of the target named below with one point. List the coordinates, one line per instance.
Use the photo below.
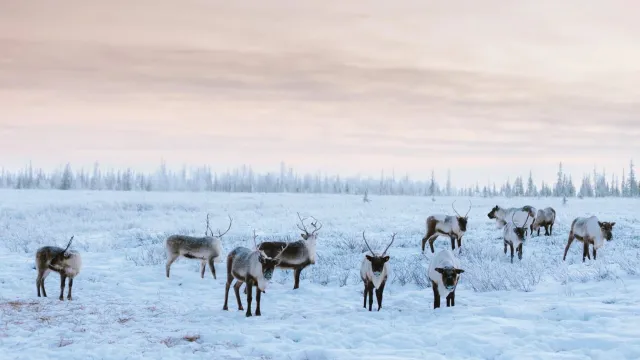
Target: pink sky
(489, 89)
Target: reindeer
(501, 215)
(299, 254)
(253, 267)
(452, 226)
(208, 249)
(514, 235)
(66, 263)
(374, 272)
(589, 231)
(444, 273)
(545, 218)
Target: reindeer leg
(236, 289)
(585, 250)
(436, 294)
(40, 280)
(449, 300)
(546, 230)
(370, 296)
(379, 295)
(587, 246)
(460, 244)
(453, 242)
(258, 293)
(594, 252)
(170, 260)
(203, 267)
(63, 278)
(431, 239)
(511, 247)
(249, 296)
(70, 287)
(566, 249)
(453, 298)
(366, 292)
(296, 277)
(520, 251)
(551, 229)
(44, 292)
(213, 268)
(505, 247)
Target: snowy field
(125, 308)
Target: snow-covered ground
(125, 308)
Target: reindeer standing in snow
(589, 231)
(253, 267)
(452, 226)
(374, 272)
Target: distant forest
(244, 179)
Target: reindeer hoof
(225, 308)
(258, 313)
(61, 298)
(249, 314)
(241, 308)
(69, 298)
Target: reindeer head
(378, 261)
(606, 228)
(209, 232)
(306, 235)
(64, 255)
(492, 213)
(520, 231)
(450, 277)
(462, 220)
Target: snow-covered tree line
(244, 179)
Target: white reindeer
(253, 267)
(589, 231)
(207, 249)
(514, 236)
(544, 218)
(452, 226)
(374, 272)
(63, 261)
(444, 273)
(501, 215)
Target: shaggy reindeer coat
(52, 258)
(444, 272)
(589, 231)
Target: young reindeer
(66, 263)
(514, 235)
(444, 273)
(589, 231)
(501, 215)
(253, 267)
(208, 249)
(298, 254)
(452, 226)
(374, 272)
(545, 218)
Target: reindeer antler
(277, 257)
(315, 226)
(68, 245)
(393, 238)
(465, 215)
(514, 223)
(366, 243)
(254, 239)
(224, 233)
(208, 229)
(454, 208)
(303, 228)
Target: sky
(489, 90)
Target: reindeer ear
(600, 224)
(613, 223)
(440, 270)
(386, 258)
(459, 271)
(369, 257)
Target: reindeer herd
(255, 267)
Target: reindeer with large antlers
(63, 261)
(253, 267)
(298, 254)
(374, 272)
(207, 249)
(514, 236)
(452, 226)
